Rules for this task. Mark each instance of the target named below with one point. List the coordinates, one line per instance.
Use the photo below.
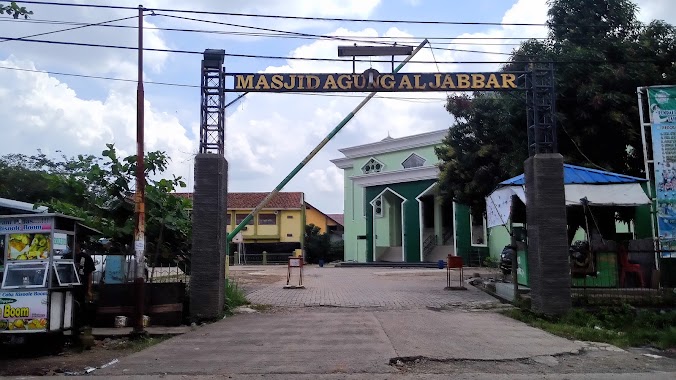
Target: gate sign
(372, 80)
(662, 103)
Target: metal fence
(634, 276)
(260, 258)
(124, 269)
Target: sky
(267, 135)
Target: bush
(234, 296)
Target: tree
(603, 54)
(15, 10)
(100, 190)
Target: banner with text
(23, 311)
(372, 80)
(662, 103)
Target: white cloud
(656, 10)
(44, 113)
(328, 180)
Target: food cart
(37, 292)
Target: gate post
(548, 261)
(207, 282)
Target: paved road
(387, 289)
(379, 324)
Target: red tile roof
(284, 200)
(339, 218)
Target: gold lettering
(358, 81)
(262, 83)
(436, 83)
(463, 81)
(508, 80)
(478, 81)
(417, 84)
(330, 83)
(387, 81)
(292, 82)
(448, 81)
(312, 82)
(405, 83)
(300, 82)
(492, 82)
(245, 82)
(344, 82)
(277, 82)
(15, 312)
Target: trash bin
(441, 264)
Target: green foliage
(15, 10)
(234, 297)
(604, 55)
(318, 246)
(622, 326)
(101, 191)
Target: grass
(234, 297)
(621, 326)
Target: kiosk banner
(23, 311)
(662, 103)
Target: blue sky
(266, 134)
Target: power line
(254, 56)
(315, 35)
(286, 35)
(403, 98)
(75, 27)
(213, 13)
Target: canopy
(599, 187)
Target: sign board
(60, 241)
(19, 225)
(28, 246)
(23, 311)
(295, 262)
(371, 80)
(662, 104)
(239, 238)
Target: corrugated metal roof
(580, 175)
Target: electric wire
(328, 37)
(284, 34)
(308, 18)
(75, 27)
(411, 99)
(318, 59)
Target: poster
(23, 311)
(27, 246)
(662, 107)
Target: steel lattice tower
(212, 118)
(541, 109)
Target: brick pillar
(207, 278)
(548, 262)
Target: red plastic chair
(627, 267)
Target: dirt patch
(253, 280)
(27, 361)
(586, 362)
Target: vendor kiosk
(37, 292)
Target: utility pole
(139, 200)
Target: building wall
(411, 219)
(319, 219)
(291, 223)
(356, 206)
(272, 233)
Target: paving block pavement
(388, 289)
